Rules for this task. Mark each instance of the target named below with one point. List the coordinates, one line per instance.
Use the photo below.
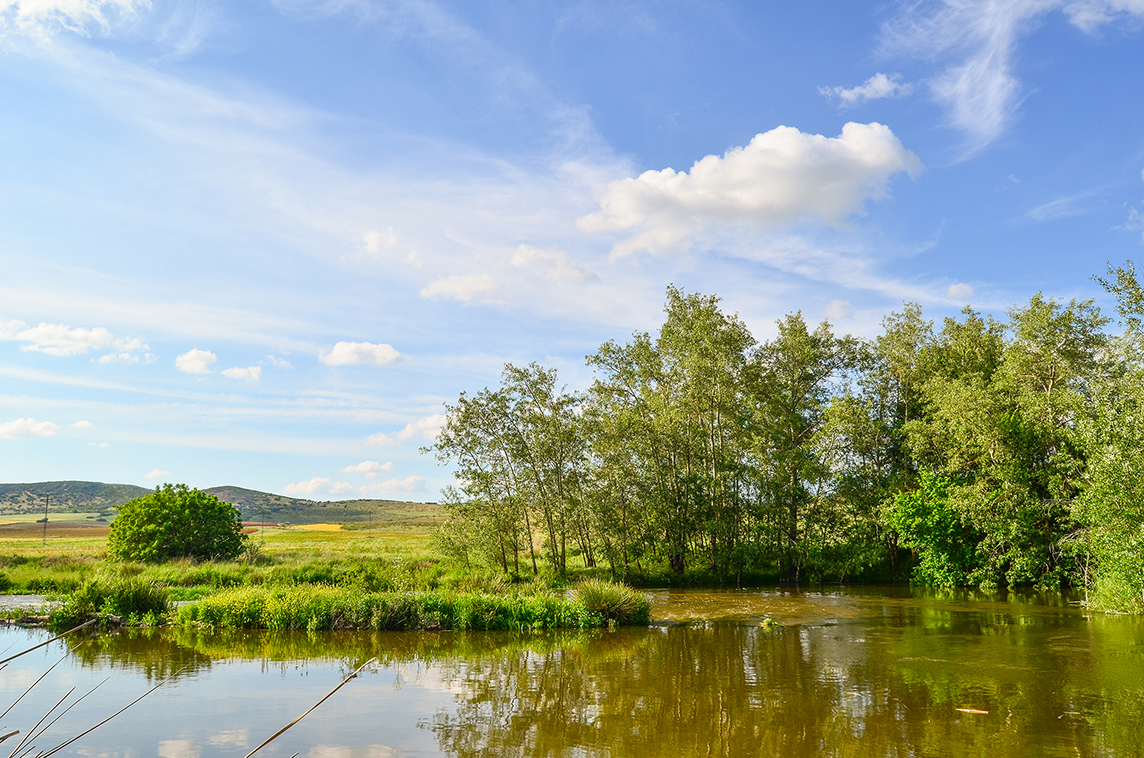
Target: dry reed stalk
(89, 730)
(53, 639)
(279, 733)
(5, 713)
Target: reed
(615, 603)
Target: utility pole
(46, 499)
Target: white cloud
(27, 427)
(155, 474)
(1090, 15)
(237, 737)
(340, 488)
(277, 362)
(196, 361)
(553, 264)
(62, 340)
(393, 486)
(876, 87)
(250, 374)
(82, 425)
(375, 242)
(351, 353)
(978, 40)
(309, 487)
(465, 288)
(428, 427)
(42, 17)
(837, 310)
(100, 444)
(380, 439)
(370, 468)
(1062, 207)
(959, 292)
(782, 176)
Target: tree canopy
(176, 522)
(984, 452)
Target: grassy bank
(319, 608)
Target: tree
(175, 521)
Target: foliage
(132, 599)
(322, 607)
(614, 602)
(927, 522)
(175, 521)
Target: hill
(279, 509)
(82, 497)
(66, 496)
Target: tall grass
(320, 607)
(614, 603)
(131, 599)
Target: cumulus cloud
(552, 264)
(351, 353)
(465, 288)
(196, 361)
(249, 374)
(82, 425)
(781, 177)
(277, 362)
(428, 427)
(375, 242)
(976, 40)
(156, 474)
(380, 439)
(63, 340)
(876, 87)
(27, 427)
(370, 468)
(341, 488)
(393, 486)
(959, 292)
(308, 487)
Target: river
(845, 672)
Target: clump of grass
(615, 603)
(319, 607)
(132, 599)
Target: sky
(263, 243)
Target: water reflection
(856, 673)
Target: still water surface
(857, 672)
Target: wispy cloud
(975, 43)
(62, 340)
(1062, 207)
(428, 427)
(156, 474)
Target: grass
(321, 607)
(332, 578)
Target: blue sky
(261, 243)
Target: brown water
(846, 673)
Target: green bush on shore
(319, 607)
(614, 603)
(132, 599)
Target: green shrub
(176, 522)
(133, 599)
(614, 602)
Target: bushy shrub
(615, 603)
(176, 522)
(132, 599)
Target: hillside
(66, 496)
(254, 505)
(264, 506)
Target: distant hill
(252, 504)
(66, 496)
(264, 506)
